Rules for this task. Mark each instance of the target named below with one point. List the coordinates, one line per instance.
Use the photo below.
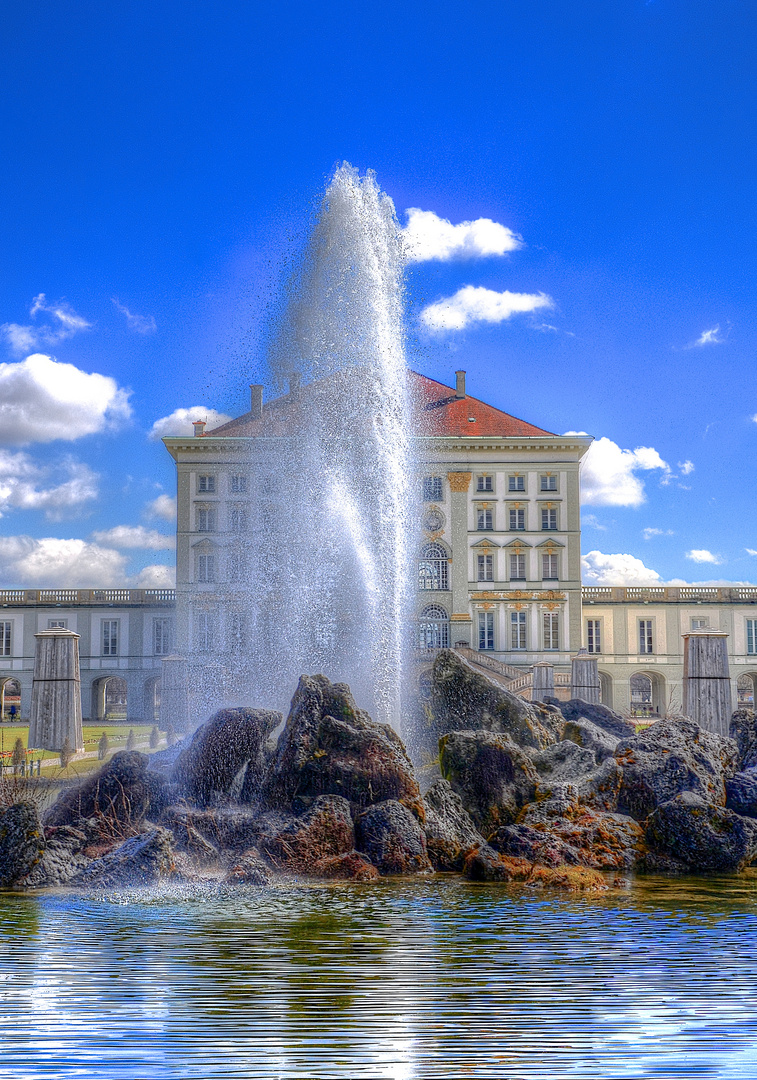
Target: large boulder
(331, 747)
(141, 860)
(741, 793)
(324, 830)
(351, 866)
(227, 828)
(119, 796)
(591, 737)
(615, 726)
(463, 699)
(485, 865)
(231, 740)
(601, 840)
(64, 857)
(22, 842)
(705, 837)
(390, 837)
(450, 832)
(668, 758)
(493, 777)
(536, 845)
(248, 869)
(564, 761)
(743, 731)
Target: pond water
(434, 978)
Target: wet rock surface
(743, 731)
(22, 843)
(122, 793)
(63, 858)
(324, 830)
(493, 776)
(450, 832)
(707, 838)
(741, 793)
(391, 838)
(575, 711)
(141, 860)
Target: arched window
(433, 569)
(433, 628)
(641, 695)
(745, 686)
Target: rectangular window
(205, 632)
(432, 489)
(206, 483)
(485, 567)
(593, 636)
(206, 568)
(239, 485)
(518, 567)
(516, 483)
(645, 636)
(701, 623)
(751, 636)
(485, 483)
(548, 519)
(161, 637)
(485, 630)
(110, 637)
(5, 638)
(237, 633)
(550, 569)
(517, 629)
(57, 624)
(517, 519)
(548, 482)
(206, 521)
(551, 625)
(236, 565)
(238, 519)
(485, 520)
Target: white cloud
(180, 421)
(707, 337)
(65, 320)
(750, 551)
(601, 569)
(163, 507)
(702, 555)
(473, 304)
(156, 576)
(26, 485)
(648, 533)
(76, 564)
(608, 474)
(142, 324)
(592, 521)
(42, 400)
(135, 536)
(428, 236)
(686, 467)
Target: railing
(87, 596)
(668, 594)
(480, 658)
(12, 596)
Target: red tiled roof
(435, 408)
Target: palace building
(497, 570)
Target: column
(584, 678)
(543, 681)
(56, 692)
(460, 626)
(706, 680)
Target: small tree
(66, 754)
(131, 742)
(154, 739)
(171, 736)
(102, 747)
(19, 757)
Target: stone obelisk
(707, 680)
(56, 692)
(543, 681)
(584, 677)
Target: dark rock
(485, 864)
(351, 866)
(493, 777)
(163, 761)
(450, 832)
(590, 736)
(462, 699)
(743, 731)
(324, 830)
(22, 842)
(120, 795)
(63, 858)
(526, 842)
(564, 761)
(229, 741)
(599, 715)
(741, 793)
(233, 829)
(141, 860)
(330, 747)
(669, 757)
(598, 789)
(391, 838)
(249, 869)
(706, 837)
(601, 840)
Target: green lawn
(117, 736)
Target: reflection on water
(436, 978)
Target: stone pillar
(544, 681)
(56, 692)
(460, 627)
(174, 694)
(706, 680)
(584, 677)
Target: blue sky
(161, 166)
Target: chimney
(256, 401)
(199, 426)
(459, 384)
(294, 385)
